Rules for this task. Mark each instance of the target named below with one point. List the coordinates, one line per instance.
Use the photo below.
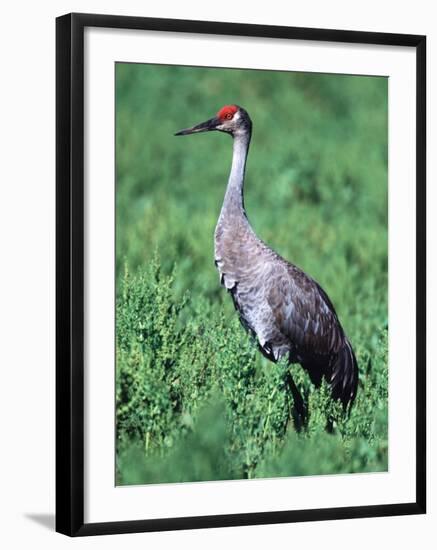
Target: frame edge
(69, 276)
(421, 274)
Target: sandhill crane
(287, 311)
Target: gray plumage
(287, 311)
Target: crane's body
(288, 313)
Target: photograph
(251, 267)
(215, 225)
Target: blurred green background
(195, 400)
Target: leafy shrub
(195, 401)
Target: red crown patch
(227, 112)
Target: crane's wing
(304, 313)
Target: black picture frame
(70, 273)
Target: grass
(195, 400)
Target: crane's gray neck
(234, 199)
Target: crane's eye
(228, 116)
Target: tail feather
(344, 374)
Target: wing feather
(304, 313)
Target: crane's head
(231, 119)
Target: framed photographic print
(240, 274)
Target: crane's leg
(300, 410)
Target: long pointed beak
(206, 126)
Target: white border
(105, 502)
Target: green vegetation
(195, 399)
